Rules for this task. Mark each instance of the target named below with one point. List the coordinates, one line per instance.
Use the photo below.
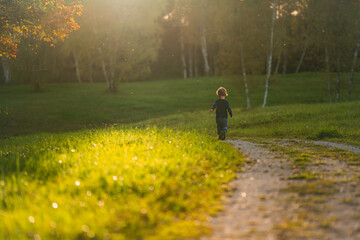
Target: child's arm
(229, 109)
(213, 107)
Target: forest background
(116, 41)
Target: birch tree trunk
(196, 69)
(328, 72)
(183, 59)
(338, 79)
(327, 63)
(302, 56)
(112, 76)
(204, 51)
(76, 61)
(103, 68)
(244, 74)
(356, 52)
(6, 70)
(269, 63)
(191, 65)
(103, 65)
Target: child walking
(222, 108)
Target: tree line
(119, 40)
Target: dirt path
(342, 146)
(292, 190)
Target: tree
(125, 34)
(270, 55)
(352, 70)
(43, 20)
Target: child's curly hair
(221, 92)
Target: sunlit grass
(112, 183)
(149, 166)
(331, 122)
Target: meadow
(144, 163)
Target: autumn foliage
(41, 20)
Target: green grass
(288, 121)
(132, 184)
(147, 158)
(72, 106)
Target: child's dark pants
(222, 125)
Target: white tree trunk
(76, 61)
(302, 56)
(112, 88)
(191, 62)
(327, 61)
(269, 62)
(356, 52)
(103, 65)
(244, 71)
(338, 79)
(204, 51)
(196, 69)
(183, 59)
(6, 70)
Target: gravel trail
(260, 208)
(252, 211)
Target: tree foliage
(39, 20)
(122, 40)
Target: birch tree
(183, 57)
(204, 50)
(269, 61)
(243, 66)
(355, 58)
(302, 55)
(77, 67)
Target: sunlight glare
(31, 219)
(294, 13)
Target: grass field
(77, 163)
(64, 107)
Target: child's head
(221, 92)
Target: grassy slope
(123, 184)
(75, 106)
(332, 122)
(177, 176)
(64, 107)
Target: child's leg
(219, 126)
(225, 125)
(222, 127)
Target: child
(222, 108)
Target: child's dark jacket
(222, 108)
